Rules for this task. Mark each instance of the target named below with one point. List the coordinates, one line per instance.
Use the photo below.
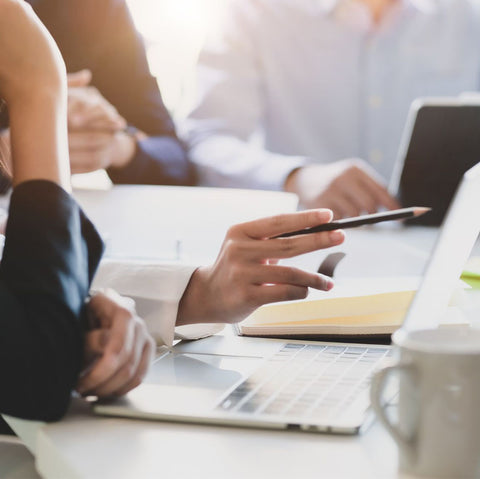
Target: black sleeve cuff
(158, 160)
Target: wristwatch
(135, 133)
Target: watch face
(135, 133)
(131, 130)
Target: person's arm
(232, 103)
(156, 160)
(245, 275)
(121, 73)
(229, 109)
(51, 252)
(5, 168)
(348, 187)
(247, 272)
(156, 289)
(51, 249)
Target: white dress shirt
(290, 82)
(156, 290)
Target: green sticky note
(471, 273)
(473, 282)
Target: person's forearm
(190, 307)
(227, 161)
(42, 343)
(156, 287)
(39, 137)
(50, 248)
(5, 153)
(51, 252)
(158, 160)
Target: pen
(400, 214)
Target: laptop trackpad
(189, 382)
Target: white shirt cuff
(157, 290)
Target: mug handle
(376, 390)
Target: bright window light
(174, 32)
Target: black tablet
(440, 142)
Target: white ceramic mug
(438, 427)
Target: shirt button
(375, 101)
(376, 157)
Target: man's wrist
(124, 152)
(290, 184)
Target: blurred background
(174, 32)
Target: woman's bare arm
(33, 84)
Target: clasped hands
(118, 348)
(96, 131)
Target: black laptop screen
(445, 143)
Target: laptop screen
(457, 236)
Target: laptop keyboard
(314, 382)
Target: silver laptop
(304, 385)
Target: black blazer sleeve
(50, 256)
(122, 74)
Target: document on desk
(354, 308)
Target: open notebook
(357, 308)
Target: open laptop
(305, 385)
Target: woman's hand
(30, 63)
(246, 273)
(118, 350)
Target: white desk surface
(86, 446)
(149, 221)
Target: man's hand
(347, 187)
(87, 108)
(118, 348)
(246, 273)
(92, 150)
(96, 136)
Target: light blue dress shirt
(318, 81)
